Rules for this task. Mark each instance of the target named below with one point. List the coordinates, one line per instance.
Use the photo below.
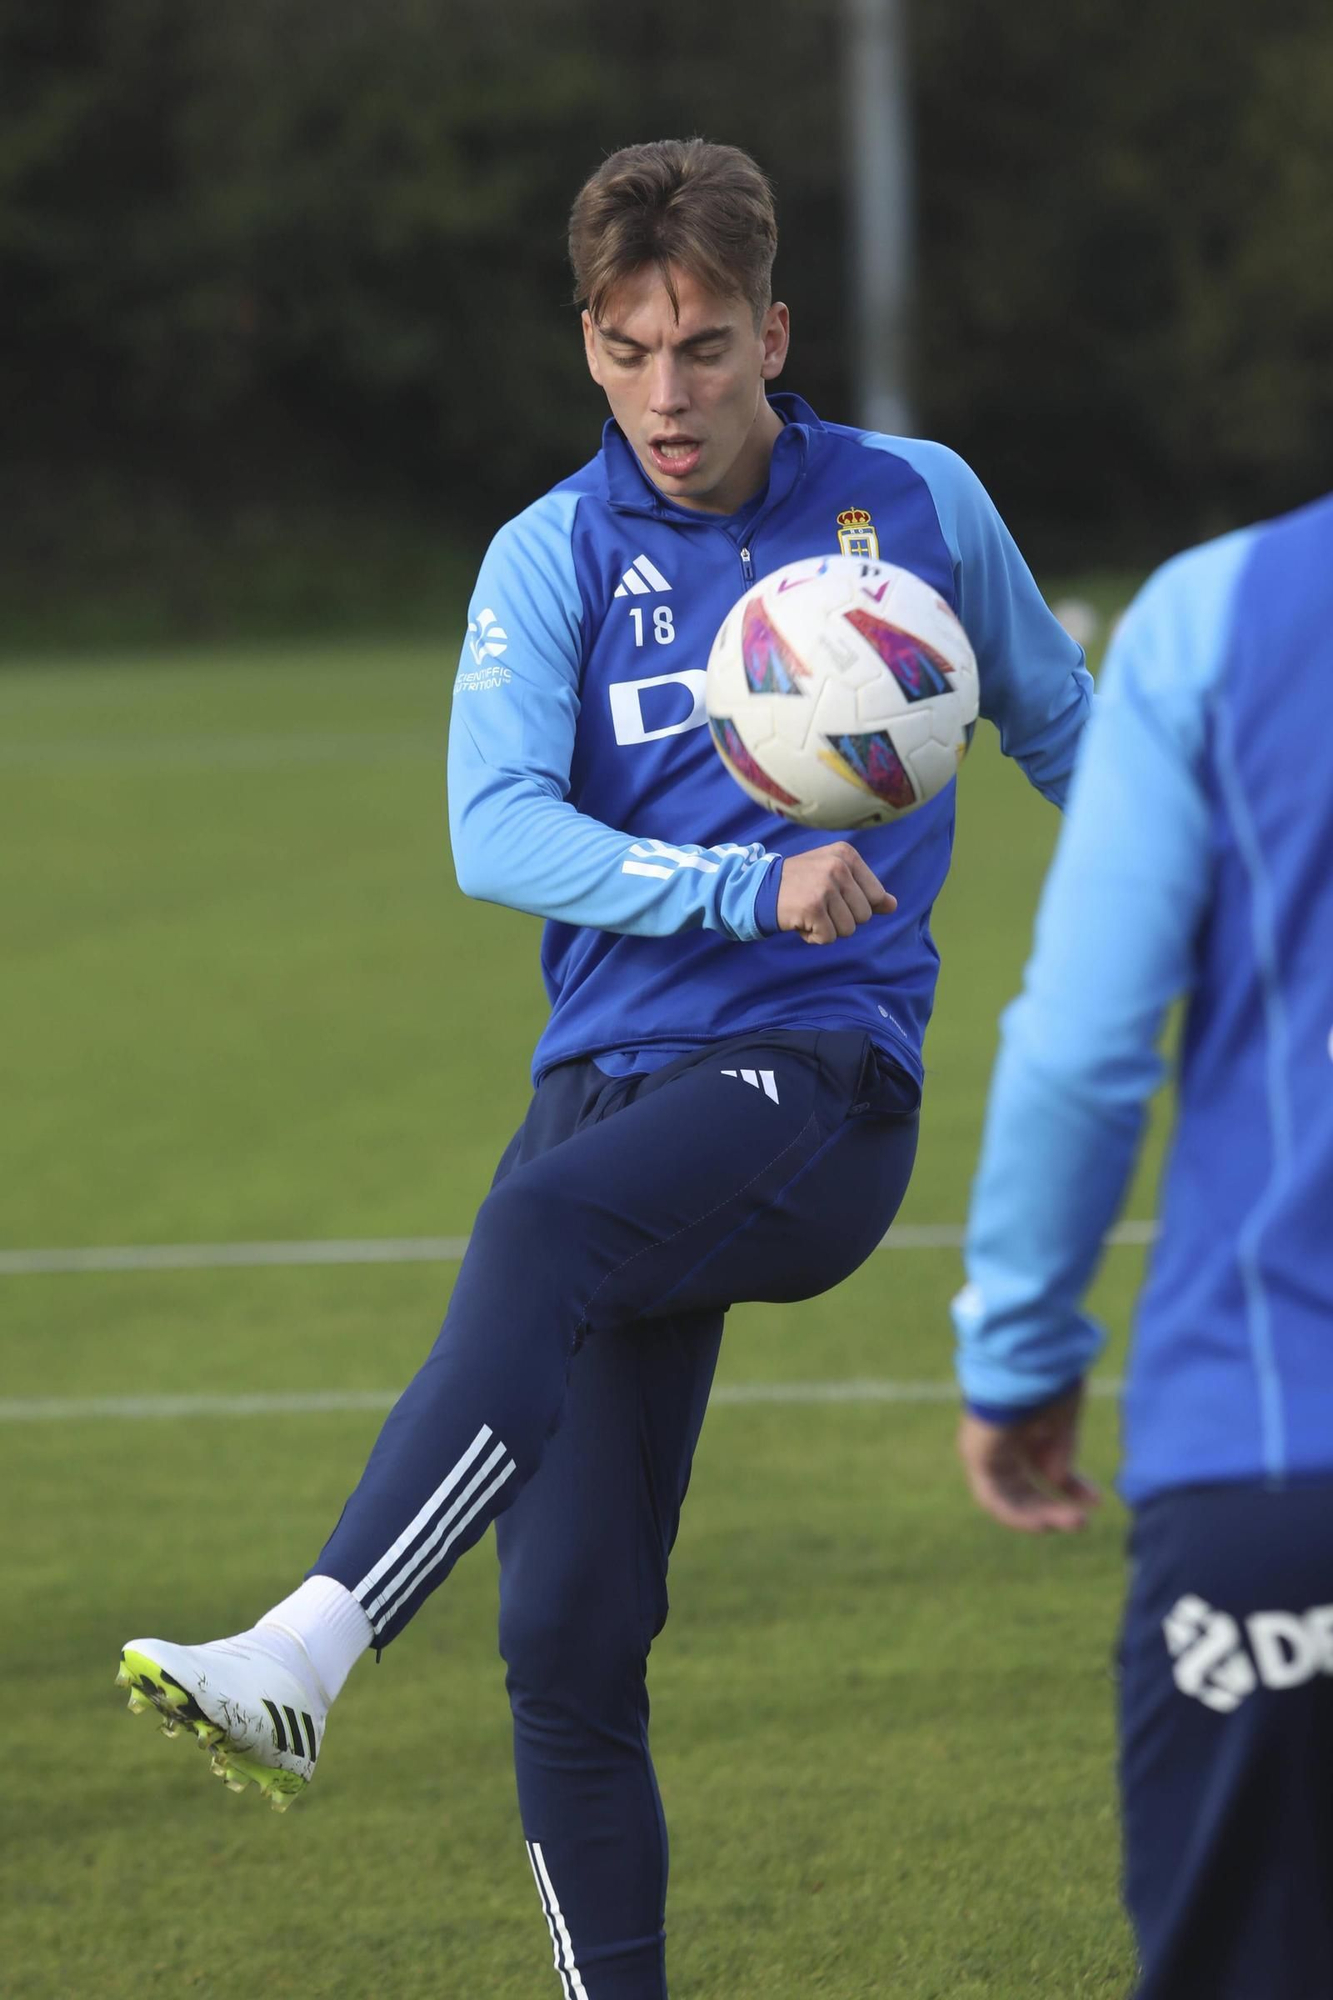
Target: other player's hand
(827, 891)
(1024, 1474)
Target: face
(689, 393)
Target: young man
(720, 1113)
(1198, 859)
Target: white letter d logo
(627, 717)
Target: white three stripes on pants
(446, 1517)
(570, 1978)
(758, 1079)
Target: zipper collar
(629, 490)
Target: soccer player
(1197, 859)
(720, 1112)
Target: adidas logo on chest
(642, 579)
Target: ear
(590, 353)
(775, 334)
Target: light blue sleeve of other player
(1113, 948)
(1035, 687)
(517, 839)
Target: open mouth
(676, 457)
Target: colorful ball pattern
(841, 693)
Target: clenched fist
(826, 892)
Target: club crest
(856, 534)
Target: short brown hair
(706, 209)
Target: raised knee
(529, 1204)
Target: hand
(827, 891)
(1023, 1474)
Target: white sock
(327, 1622)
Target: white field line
(129, 1409)
(384, 1250)
(174, 753)
(234, 1256)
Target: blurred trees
(1128, 291)
(309, 253)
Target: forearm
(518, 844)
(1056, 1158)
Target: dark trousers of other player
(1227, 1743)
(626, 1216)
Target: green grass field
(244, 1000)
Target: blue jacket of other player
(583, 782)
(1197, 858)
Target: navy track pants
(1226, 1726)
(568, 1387)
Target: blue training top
(584, 786)
(1197, 857)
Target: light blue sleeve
(1114, 946)
(517, 839)
(1035, 687)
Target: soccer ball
(841, 692)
